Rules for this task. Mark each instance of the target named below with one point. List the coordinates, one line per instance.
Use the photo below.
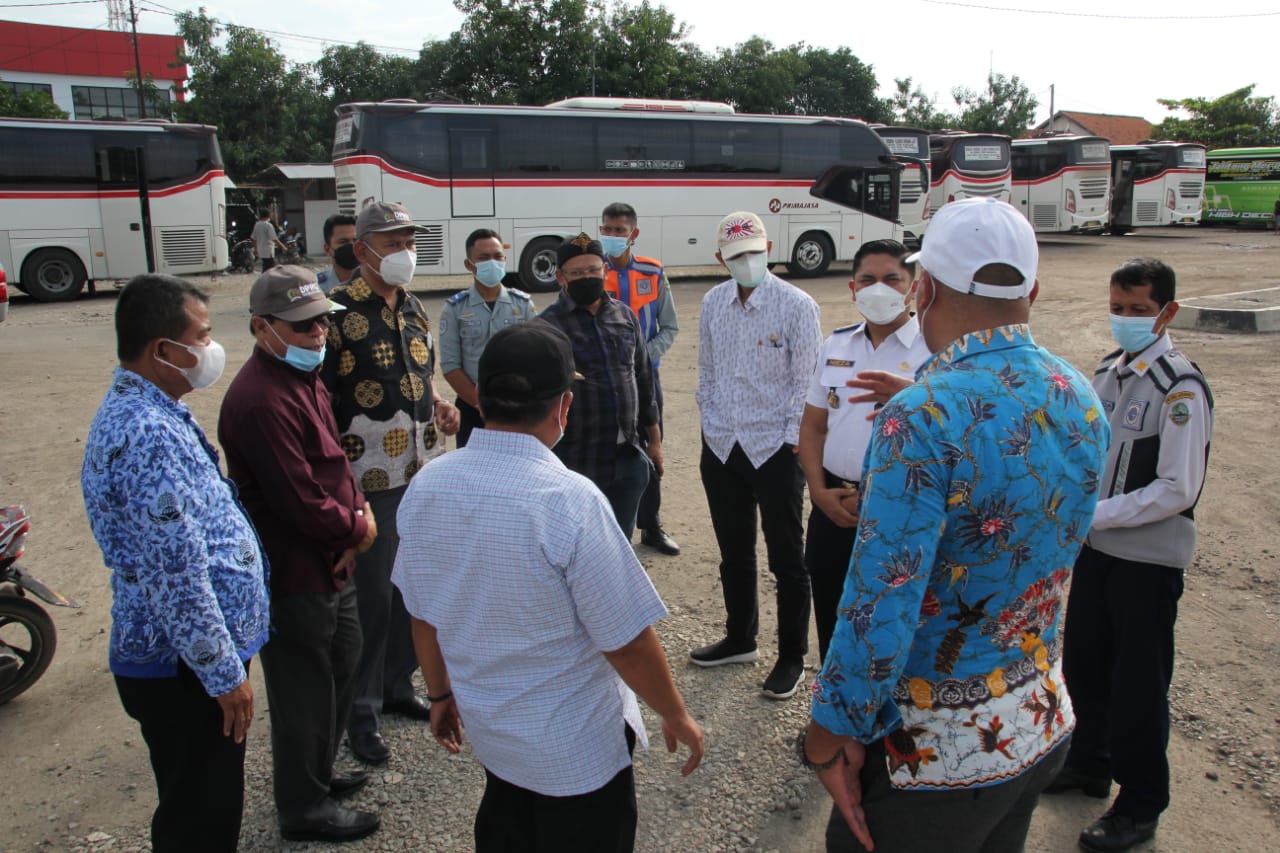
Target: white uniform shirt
(1181, 469)
(520, 566)
(754, 365)
(845, 354)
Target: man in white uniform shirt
(835, 430)
(758, 343)
(535, 630)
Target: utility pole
(1051, 113)
(137, 60)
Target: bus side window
(118, 166)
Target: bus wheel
(538, 265)
(811, 256)
(53, 275)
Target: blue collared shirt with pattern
(978, 489)
(188, 578)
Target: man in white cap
(940, 713)
(758, 342)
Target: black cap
(583, 244)
(527, 362)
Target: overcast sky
(1099, 64)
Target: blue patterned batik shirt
(188, 578)
(978, 488)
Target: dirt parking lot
(75, 767)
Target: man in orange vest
(640, 284)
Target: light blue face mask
(490, 273)
(615, 247)
(1134, 334)
(301, 358)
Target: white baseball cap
(739, 233)
(969, 234)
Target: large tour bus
(913, 195)
(1156, 183)
(540, 174)
(89, 201)
(1241, 185)
(968, 165)
(1062, 184)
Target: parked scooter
(27, 635)
(242, 256)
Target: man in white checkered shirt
(532, 617)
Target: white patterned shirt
(847, 353)
(519, 565)
(755, 360)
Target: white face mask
(879, 303)
(210, 361)
(748, 269)
(398, 267)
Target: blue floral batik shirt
(188, 578)
(979, 485)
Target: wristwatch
(810, 765)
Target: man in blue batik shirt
(188, 578)
(944, 676)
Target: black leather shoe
(369, 747)
(413, 708)
(1114, 832)
(347, 783)
(658, 539)
(1071, 779)
(331, 822)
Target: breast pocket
(835, 377)
(470, 330)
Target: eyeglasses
(301, 327)
(589, 272)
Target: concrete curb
(1246, 312)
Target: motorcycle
(27, 635)
(242, 258)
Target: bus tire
(811, 256)
(538, 265)
(53, 275)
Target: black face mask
(345, 256)
(585, 291)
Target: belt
(834, 482)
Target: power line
(1060, 13)
(63, 3)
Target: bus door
(471, 164)
(1122, 194)
(870, 189)
(120, 203)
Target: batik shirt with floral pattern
(378, 371)
(979, 485)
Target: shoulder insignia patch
(851, 328)
(1179, 414)
(1181, 395)
(519, 294)
(458, 297)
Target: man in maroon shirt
(281, 441)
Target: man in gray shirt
(265, 240)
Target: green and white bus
(1241, 186)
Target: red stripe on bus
(1063, 171)
(383, 165)
(71, 194)
(952, 173)
(1200, 172)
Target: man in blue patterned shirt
(940, 712)
(188, 577)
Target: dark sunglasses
(304, 326)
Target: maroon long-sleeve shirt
(281, 442)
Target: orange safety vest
(644, 284)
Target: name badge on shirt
(839, 362)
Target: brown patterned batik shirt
(378, 370)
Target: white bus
(90, 201)
(913, 197)
(968, 165)
(1156, 183)
(1062, 184)
(540, 174)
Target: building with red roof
(88, 73)
(1121, 130)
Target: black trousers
(828, 547)
(512, 819)
(387, 658)
(268, 263)
(994, 819)
(1117, 659)
(649, 514)
(310, 667)
(199, 771)
(469, 419)
(735, 490)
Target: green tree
(911, 107)
(29, 104)
(1007, 106)
(755, 78)
(644, 52)
(1236, 119)
(835, 83)
(267, 109)
(361, 73)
